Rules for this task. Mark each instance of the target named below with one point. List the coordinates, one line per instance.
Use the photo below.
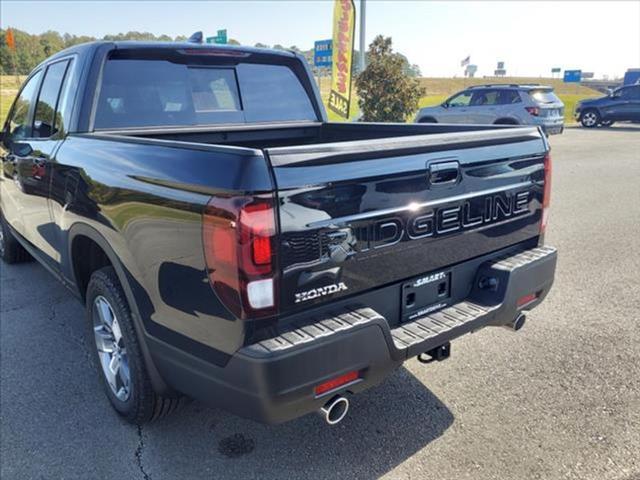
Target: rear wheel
(10, 249)
(590, 118)
(118, 356)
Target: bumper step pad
(519, 273)
(340, 323)
(444, 321)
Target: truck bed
(362, 206)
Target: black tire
(141, 404)
(10, 249)
(590, 118)
(427, 120)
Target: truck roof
(85, 48)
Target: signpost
(572, 76)
(555, 72)
(220, 38)
(322, 53)
(500, 71)
(322, 57)
(470, 71)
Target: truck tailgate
(359, 215)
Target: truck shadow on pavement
(385, 426)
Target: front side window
(19, 126)
(156, 92)
(628, 93)
(47, 119)
(461, 100)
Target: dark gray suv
(500, 104)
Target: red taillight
(337, 382)
(526, 300)
(535, 111)
(546, 195)
(238, 235)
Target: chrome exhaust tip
(335, 410)
(517, 323)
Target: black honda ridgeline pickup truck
(232, 245)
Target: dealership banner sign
(344, 23)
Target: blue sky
(530, 37)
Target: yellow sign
(344, 22)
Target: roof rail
(495, 85)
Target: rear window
(141, 93)
(544, 96)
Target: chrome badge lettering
(320, 292)
(430, 279)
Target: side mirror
(445, 105)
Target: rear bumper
(273, 381)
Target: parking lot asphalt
(558, 400)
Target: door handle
(444, 173)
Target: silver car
(502, 105)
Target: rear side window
(273, 93)
(544, 96)
(507, 97)
(47, 119)
(140, 93)
(19, 125)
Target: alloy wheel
(589, 119)
(112, 351)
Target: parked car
(230, 244)
(623, 104)
(500, 104)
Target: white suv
(500, 104)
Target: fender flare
(81, 229)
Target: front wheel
(590, 119)
(118, 356)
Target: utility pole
(363, 9)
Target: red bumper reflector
(337, 382)
(522, 301)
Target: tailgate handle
(444, 173)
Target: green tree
(386, 92)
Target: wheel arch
(506, 121)
(427, 119)
(81, 232)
